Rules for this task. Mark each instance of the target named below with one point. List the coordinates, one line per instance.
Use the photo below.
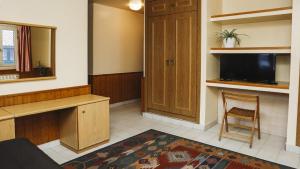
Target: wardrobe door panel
(184, 68)
(157, 7)
(183, 5)
(158, 68)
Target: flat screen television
(259, 68)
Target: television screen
(248, 67)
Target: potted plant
(230, 38)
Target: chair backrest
(240, 97)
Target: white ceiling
(123, 4)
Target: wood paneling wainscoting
(44, 127)
(119, 87)
(39, 129)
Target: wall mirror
(27, 52)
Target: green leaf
(226, 34)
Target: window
(8, 49)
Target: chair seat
(241, 113)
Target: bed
(22, 154)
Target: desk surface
(5, 115)
(51, 105)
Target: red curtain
(24, 63)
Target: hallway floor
(126, 121)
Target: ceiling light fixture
(135, 5)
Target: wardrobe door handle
(172, 62)
(168, 61)
(83, 112)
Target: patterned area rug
(158, 150)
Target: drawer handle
(83, 112)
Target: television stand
(272, 83)
(245, 81)
(280, 87)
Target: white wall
(70, 18)
(118, 40)
(242, 5)
(294, 85)
(209, 63)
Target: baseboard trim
(292, 149)
(210, 125)
(180, 122)
(171, 120)
(49, 144)
(124, 103)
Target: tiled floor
(127, 121)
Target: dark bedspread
(22, 154)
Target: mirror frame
(52, 55)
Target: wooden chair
(252, 116)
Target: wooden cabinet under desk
(7, 125)
(85, 125)
(84, 120)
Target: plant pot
(229, 43)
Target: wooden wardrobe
(173, 58)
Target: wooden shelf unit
(267, 30)
(275, 50)
(284, 13)
(281, 87)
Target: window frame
(9, 66)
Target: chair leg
(222, 128)
(252, 133)
(258, 127)
(226, 124)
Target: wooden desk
(4, 115)
(51, 105)
(84, 120)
